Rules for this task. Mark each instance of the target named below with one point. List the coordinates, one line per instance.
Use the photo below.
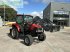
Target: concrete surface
(55, 42)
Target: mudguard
(17, 26)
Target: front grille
(39, 30)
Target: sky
(35, 7)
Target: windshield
(28, 18)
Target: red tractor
(24, 25)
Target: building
(58, 13)
(7, 13)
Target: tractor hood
(34, 26)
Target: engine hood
(34, 26)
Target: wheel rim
(41, 37)
(26, 41)
(13, 33)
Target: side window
(19, 19)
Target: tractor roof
(22, 15)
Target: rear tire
(28, 40)
(41, 37)
(14, 33)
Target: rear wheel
(14, 33)
(41, 37)
(28, 40)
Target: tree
(10, 13)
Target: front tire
(14, 33)
(41, 37)
(28, 40)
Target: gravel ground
(55, 42)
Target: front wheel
(28, 40)
(14, 33)
(41, 37)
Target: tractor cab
(24, 19)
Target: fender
(17, 26)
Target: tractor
(28, 29)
